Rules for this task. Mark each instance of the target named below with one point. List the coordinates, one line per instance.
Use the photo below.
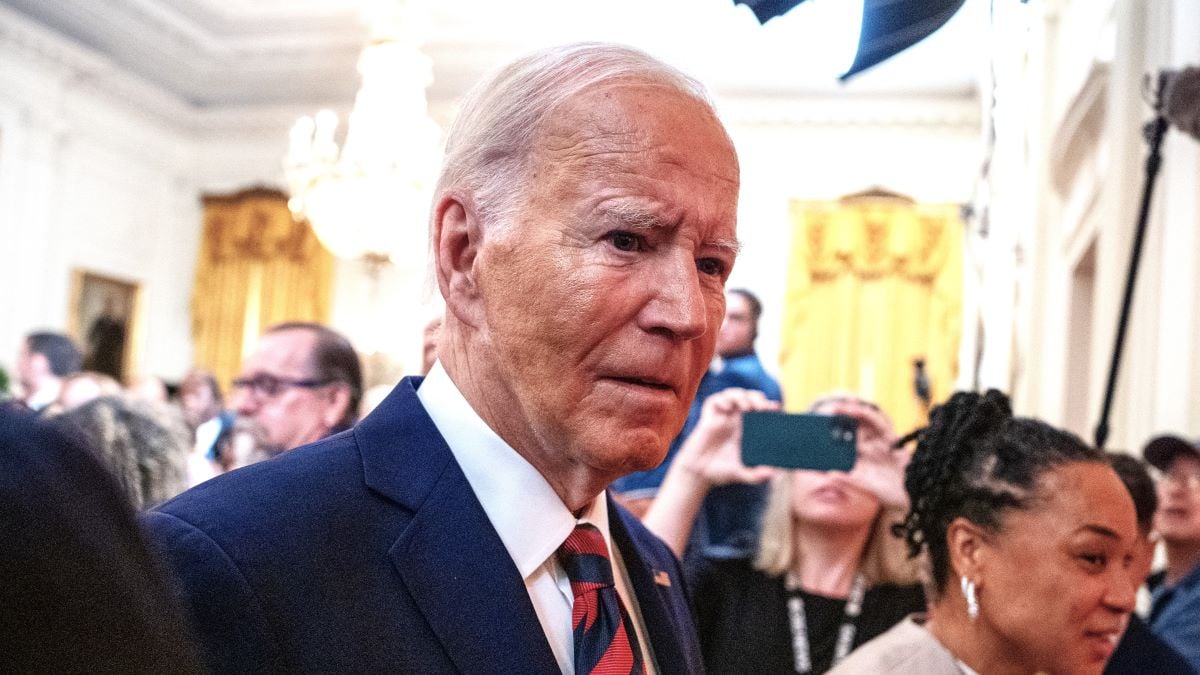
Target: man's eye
(711, 266)
(625, 241)
(267, 384)
(1095, 560)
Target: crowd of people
(302, 382)
(564, 491)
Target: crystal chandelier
(371, 200)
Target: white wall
(93, 174)
(926, 148)
(1120, 42)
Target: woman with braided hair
(1029, 535)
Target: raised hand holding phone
(710, 456)
(880, 465)
(713, 450)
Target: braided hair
(975, 461)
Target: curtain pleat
(257, 267)
(874, 282)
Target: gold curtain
(874, 282)
(257, 267)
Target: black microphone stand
(1154, 132)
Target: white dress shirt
(199, 467)
(44, 396)
(527, 514)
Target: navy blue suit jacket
(368, 551)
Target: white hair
(491, 140)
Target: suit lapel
(654, 588)
(460, 575)
(449, 556)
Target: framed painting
(103, 320)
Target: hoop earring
(968, 591)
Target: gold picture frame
(103, 318)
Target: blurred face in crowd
(279, 391)
(32, 367)
(1057, 583)
(198, 400)
(429, 341)
(738, 329)
(833, 498)
(82, 388)
(1178, 517)
(149, 388)
(829, 499)
(600, 304)
(77, 392)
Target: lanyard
(799, 624)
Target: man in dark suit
(583, 230)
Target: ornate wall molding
(69, 64)
(1080, 129)
(943, 114)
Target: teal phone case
(799, 441)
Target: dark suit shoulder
(1141, 651)
(291, 484)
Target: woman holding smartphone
(828, 575)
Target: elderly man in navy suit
(583, 230)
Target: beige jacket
(906, 648)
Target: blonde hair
(884, 560)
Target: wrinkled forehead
(633, 114)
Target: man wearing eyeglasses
(1175, 592)
(302, 383)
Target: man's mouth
(1106, 640)
(643, 382)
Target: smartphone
(799, 441)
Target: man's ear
(339, 403)
(967, 544)
(457, 236)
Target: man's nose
(244, 401)
(677, 307)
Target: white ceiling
(217, 53)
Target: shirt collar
(525, 511)
(45, 395)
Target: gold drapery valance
(875, 282)
(257, 267)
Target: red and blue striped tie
(605, 642)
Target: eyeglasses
(269, 385)
(1189, 481)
